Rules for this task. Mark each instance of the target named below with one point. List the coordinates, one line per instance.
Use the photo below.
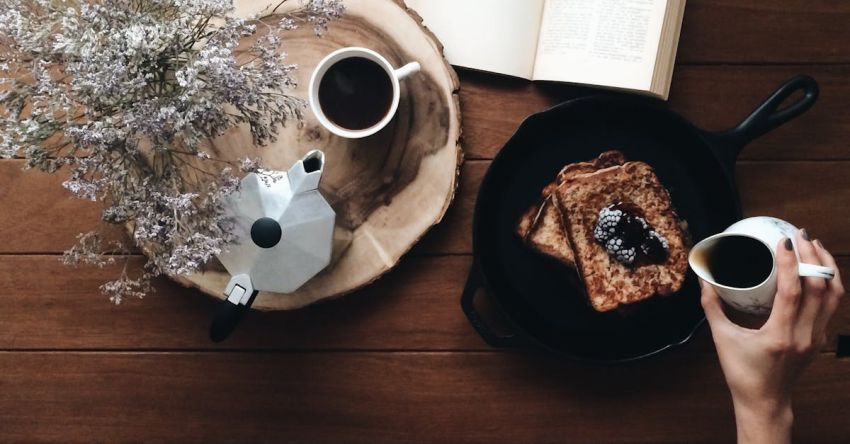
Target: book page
(600, 42)
(490, 35)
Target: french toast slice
(608, 281)
(547, 234)
(541, 225)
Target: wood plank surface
(388, 397)
(42, 207)
(758, 31)
(713, 97)
(398, 361)
(415, 307)
(793, 190)
(40, 216)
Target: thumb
(713, 307)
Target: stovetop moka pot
(284, 236)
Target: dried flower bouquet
(124, 94)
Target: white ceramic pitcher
(768, 230)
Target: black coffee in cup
(356, 93)
(739, 261)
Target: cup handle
(407, 70)
(811, 270)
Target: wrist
(767, 422)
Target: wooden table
(398, 361)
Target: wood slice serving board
(388, 189)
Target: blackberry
(606, 226)
(654, 247)
(627, 236)
(622, 253)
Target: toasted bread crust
(548, 236)
(541, 226)
(608, 282)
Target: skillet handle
(769, 115)
(467, 302)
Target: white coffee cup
(768, 230)
(344, 53)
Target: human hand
(762, 365)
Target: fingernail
(820, 245)
(788, 244)
(804, 233)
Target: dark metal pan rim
(724, 147)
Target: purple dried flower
(125, 93)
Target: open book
(622, 44)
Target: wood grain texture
(415, 307)
(789, 190)
(713, 97)
(396, 397)
(38, 215)
(757, 31)
(799, 183)
(388, 189)
(397, 361)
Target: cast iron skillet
(541, 298)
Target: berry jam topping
(625, 234)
